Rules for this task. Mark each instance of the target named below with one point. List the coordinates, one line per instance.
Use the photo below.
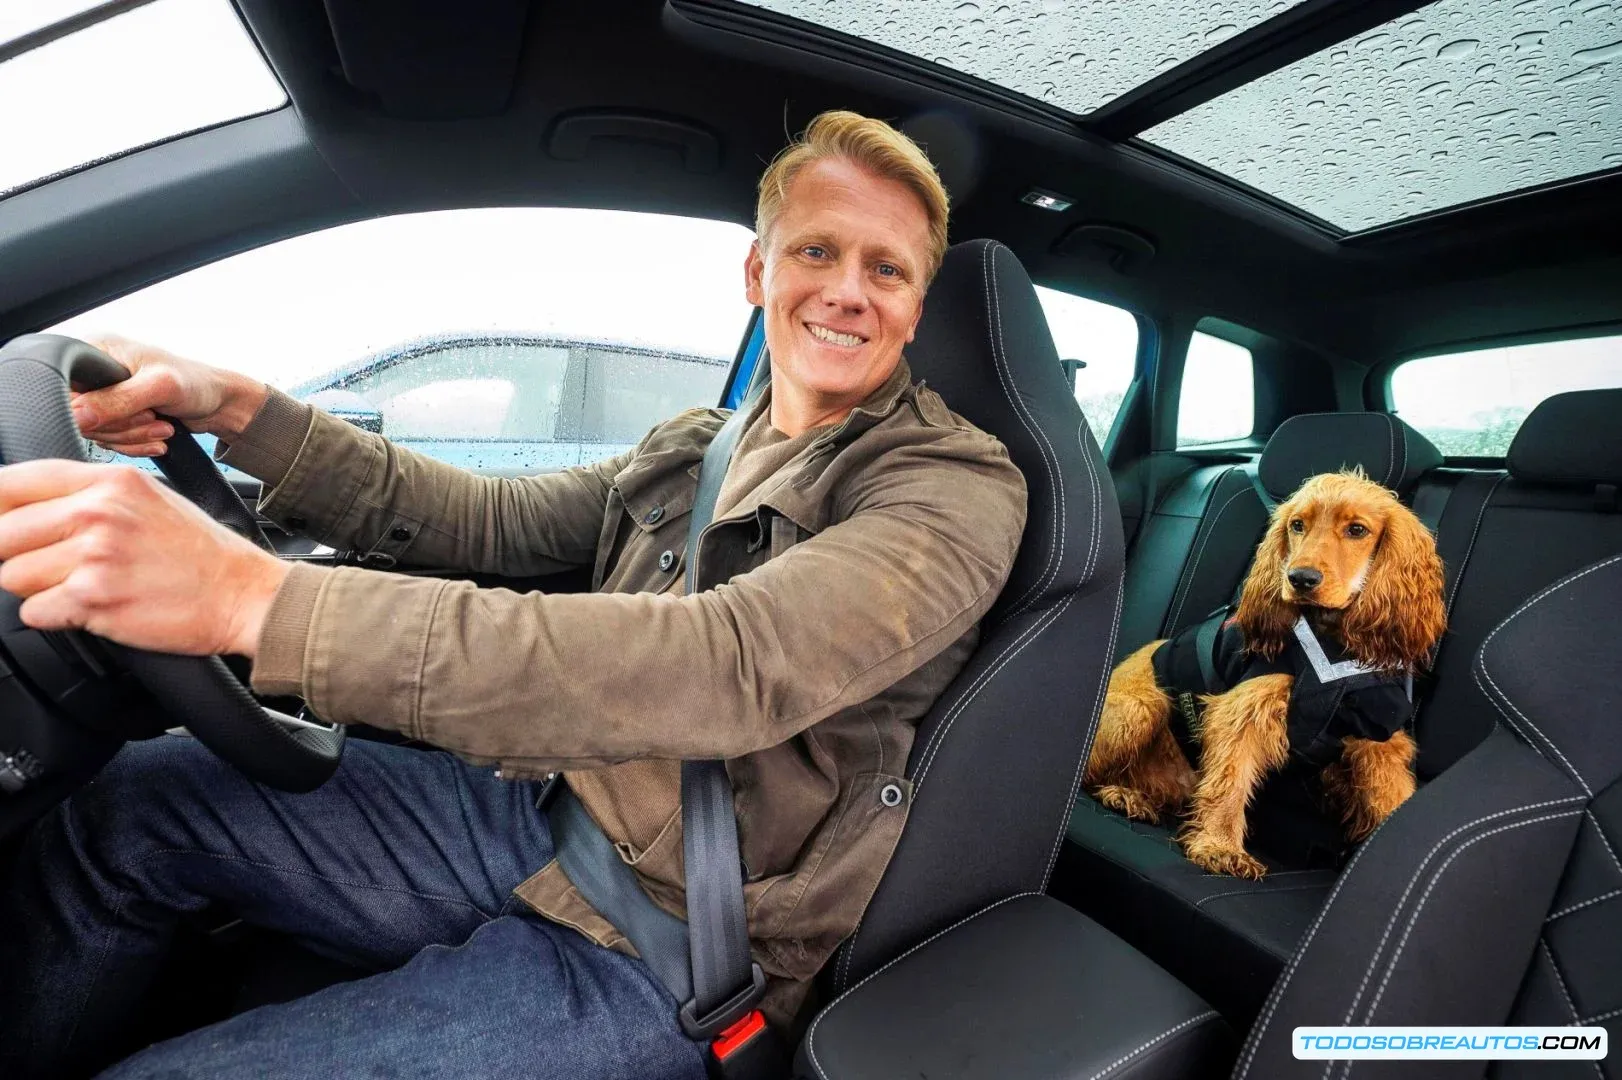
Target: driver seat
(997, 761)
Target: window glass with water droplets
(1105, 339)
(1471, 404)
(504, 340)
(1218, 398)
(78, 99)
(1461, 101)
(1074, 54)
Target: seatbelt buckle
(728, 1013)
(748, 1050)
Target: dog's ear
(1399, 616)
(1264, 616)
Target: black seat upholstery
(1227, 938)
(1494, 896)
(1191, 554)
(997, 761)
(1554, 511)
(1515, 533)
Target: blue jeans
(404, 860)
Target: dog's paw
(1129, 801)
(1363, 818)
(1219, 857)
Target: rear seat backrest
(1554, 511)
(1193, 551)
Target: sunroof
(1076, 54)
(1461, 101)
(150, 73)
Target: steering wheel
(200, 693)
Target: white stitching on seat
(1050, 459)
(1056, 552)
(1559, 980)
(1092, 733)
(1481, 666)
(811, 1036)
(1440, 870)
(1188, 581)
(1594, 821)
(1600, 899)
(1599, 1016)
(1413, 920)
(1015, 647)
(1576, 1017)
(1260, 1028)
(1095, 545)
(1396, 910)
(1190, 1022)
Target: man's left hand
(109, 549)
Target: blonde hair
(872, 144)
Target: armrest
(1029, 988)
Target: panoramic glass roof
(1463, 100)
(1076, 54)
(1459, 101)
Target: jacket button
(652, 517)
(402, 534)
(890, 795)
(667, 560)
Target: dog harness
(1333, 696)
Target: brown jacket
(838, 601)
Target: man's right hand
(124, 418)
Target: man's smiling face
(840, 276)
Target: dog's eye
(1297, 525)
(1357, 531)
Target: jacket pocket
(802, 917)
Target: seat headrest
(1570, 438)
(1391, 453)
(983, 344)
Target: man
(861, 532)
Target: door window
(512, 339)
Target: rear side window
(1104, 338)
(1470, 404)
(1218, 401)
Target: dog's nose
(1305, 579)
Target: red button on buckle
(739, 1034)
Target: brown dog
(1363, 571)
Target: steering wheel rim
(292, 754)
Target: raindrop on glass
(1613, 51)
(1588, 74)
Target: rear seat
(1132, 877)
(1503, 536)
(1192, 552)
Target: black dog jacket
(1333, 697)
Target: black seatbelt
(704, 963)
(726, 984)
(1253, 473)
